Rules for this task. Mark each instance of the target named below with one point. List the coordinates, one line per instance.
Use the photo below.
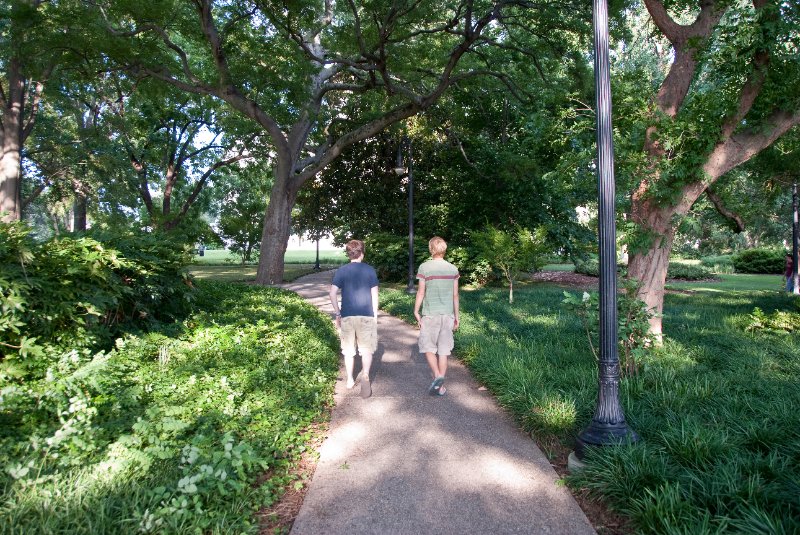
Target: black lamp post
(608, 425)
(401, 170)
(795, 267)
(316, 262)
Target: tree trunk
(11, 157)
(79, 213)
(649, 266)
(277, 226)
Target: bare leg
(366, 387)
(348, 366)
(366, 364)
(434, 364)
(442, 365)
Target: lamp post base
(598, 434)
(410, 289)
(574, 465)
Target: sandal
(435, 386)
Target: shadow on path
(404, 462)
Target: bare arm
(374, 292)
(455, 304)
(334, 296)
(418, 300)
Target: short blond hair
(354, 249)
(437, 246)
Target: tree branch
(735, 218)
(685, 40)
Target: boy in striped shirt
(437, 294)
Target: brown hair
(437, 246)
(354, 249)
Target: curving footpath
(404, 462)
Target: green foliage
(241, 213)
(689, 272)
(777, 321)
(173, 431)
(632, 324)
(761, 260)
(512, 252)
(80, 291)
(388, 254)
(591, 266)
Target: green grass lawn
(224, 257)
(738, 282)
(559, 267)
(716, 407)
(247, 273)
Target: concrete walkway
(404, 462)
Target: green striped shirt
(438, 275)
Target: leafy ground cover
(190, 429)
(716, 407)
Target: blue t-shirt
(356, 281)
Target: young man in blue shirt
(357, 318)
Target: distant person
(357, 318)
(437, 294)
(788, 272)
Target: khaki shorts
(359, 332)
(436, 334)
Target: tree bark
(725, 212)
(11, 157)
(79, 212)
(735, 147)
(277, 225)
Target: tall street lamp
(401, 170)
(608, 425)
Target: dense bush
(591, 267)
(388, 254)
(689, 272)
(676, 270)
(718, 263)
(187, 430)
(80, 291)
(771, 261)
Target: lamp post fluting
(408, 170)
(608, 424)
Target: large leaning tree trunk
(749, 126)
(301, 78)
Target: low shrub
(777, 321)
(689, 272)
(762, 260)
(591, 267)
(78, 292)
